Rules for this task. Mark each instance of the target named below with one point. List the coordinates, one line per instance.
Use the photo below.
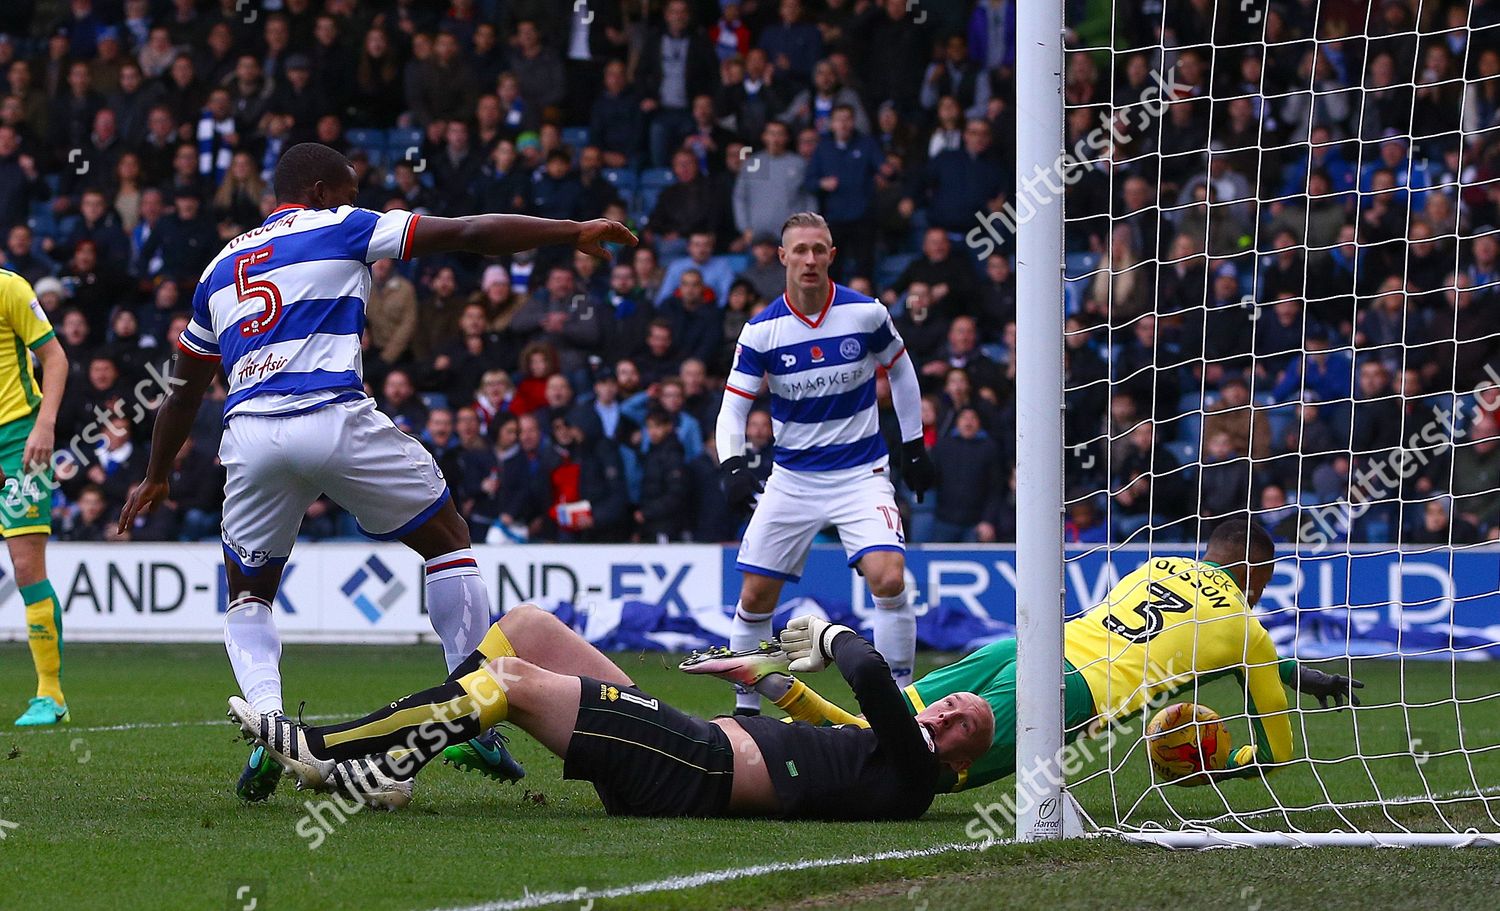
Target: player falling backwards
(644, 757)
(1169, 626)
(818, 347)
(282, 309)
(28, 414)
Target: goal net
(1282, 295)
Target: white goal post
(1277, 300)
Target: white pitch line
(150, 725)
(712, 877)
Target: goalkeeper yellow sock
(803, 704)
(485, 695)
(496, 644)
(44, 635)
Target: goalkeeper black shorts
(646, 758)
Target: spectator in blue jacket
(964, 182)
(842, 173)
(793, 44)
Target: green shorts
(990, 673)
(26, 507)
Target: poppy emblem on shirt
(817, 354)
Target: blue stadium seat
(1075, 290)
(42, 224)
(400, 139)
(657, 178)
(371, 141)
(645, 200)
(433, 400)
(890, 268)
(1185, 452)
(575, 138)
(624, 179)
(1076, 265)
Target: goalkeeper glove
(740, 484)
(916, 467)
(808, 641)
(1327, 686)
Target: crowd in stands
(1282, 273)
(1272, 276)
(137, 136)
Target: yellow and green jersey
(1168, 625)
(23, 328)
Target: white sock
(457, 604)
(748, 631)
(895, 624)
(254, 649)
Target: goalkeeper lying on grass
(644, 757)
(1170, 625)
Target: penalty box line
(713, 877)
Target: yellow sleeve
(802, 703)
(1270, 722)
(24, 313)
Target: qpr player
(282, 310)
(818, 348)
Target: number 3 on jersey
(250, 289)
(1159, 600)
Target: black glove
(916, 467)
(1325, 686)
(740, 484)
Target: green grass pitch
(109, 814)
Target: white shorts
(277, 467)
(798, 505)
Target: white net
(1282, 302)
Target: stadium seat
(1077, 265)
(644, 201)
(1185, 452)
(623, 179)
(370, 141)
(42, 222)
(575, 138)
(433, 400)
(890, 268)
(657, 178)
(400, 139)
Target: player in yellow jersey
(28, 414)
(1170, 624)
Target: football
(1185, 739)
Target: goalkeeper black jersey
(885, 771)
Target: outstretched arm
(497, 235)
(191, 375)
(802, 703)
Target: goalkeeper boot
(43, 711)
(284, 739)
(259, 779)
(486, 754)
(365, 781)
(744, 669)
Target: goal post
(1267, 285)
(1040, 808)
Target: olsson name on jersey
(821, 374)
(283, 306)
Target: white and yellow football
(1185, 739)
